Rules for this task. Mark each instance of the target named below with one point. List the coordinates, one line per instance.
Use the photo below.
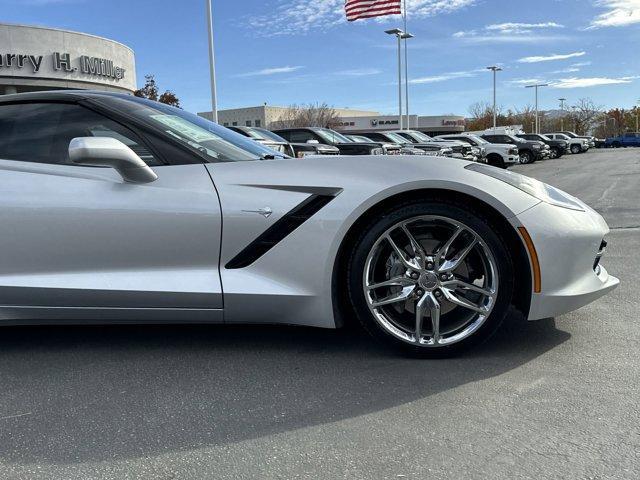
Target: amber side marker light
(533, 255)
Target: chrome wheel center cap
(428, 280)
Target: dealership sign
(62, 62)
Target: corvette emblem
(265, 211)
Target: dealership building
(350, 121)
(39, 58)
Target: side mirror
(110, 152)
(314, 141)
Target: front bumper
(567, 243)
(511, 159)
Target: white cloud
(446, 76)
(511, 32)
(295, 17)
(548, 58)
(521, 82)
(590, 82)
(619, 13)
(358, 72)
(270, 71)
(567, 70)
(581, 64)
(516, 27)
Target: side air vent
(278, 231)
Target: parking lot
(551, 399)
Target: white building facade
(40, 58)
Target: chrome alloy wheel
(430, 281)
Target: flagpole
(406, 70)
(212, 64)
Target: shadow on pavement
(76, 394)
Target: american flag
(357, 9)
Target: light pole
(536, 86)
(494, 69)
(400, 35)
(212, 64)
(406, 36)
(562, 100)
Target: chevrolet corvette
(119, 209)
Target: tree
(310, 115)
(586, 116)
(150, 91)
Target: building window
(248, 123)
(235, 124)
(257, 123)
(225, 124)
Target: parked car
(431, 147)
(629, 139)
(113, 209)
(460, 149)
(327, 136)
(529, 151)
(590, 138)
(576, 145)
(498, 155)
(557, 148)
(297, 150)
(388, 148)
(280, 145)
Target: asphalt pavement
(555, 399)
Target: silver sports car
(118, 209)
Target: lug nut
(415, 276)
(419, 292)
(438, 293)
(444, 276)
(429, 266)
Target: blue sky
(300, 51)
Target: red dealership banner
(357, 9)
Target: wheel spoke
(450, 265)
(393, 282)
(393, 298)
(420, 308)
(418, 251)
(442, 252)
(463, 302)
(406, 262)
(468, 286)
(434, 310)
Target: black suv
(557, 148)
(275, 141)
(528, 150)
(317, 135)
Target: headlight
(376, 151)
(536, 147)
(533, 187)
(514, 151)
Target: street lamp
(494, 69)
(536, 86)
(405, 37)
(562, 100)
(400, 35)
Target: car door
(78, 242)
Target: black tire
(526, 157)
(575, 149)
(555, 152)
(476, 220)
(615, 144)
(496, 160)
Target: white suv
(576, 145)
(496, 154)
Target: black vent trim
(279, 230)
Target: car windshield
(421, 137)
(478, 140)
(562, 136)
(359, 138)
(394, 137)
(215, 143)
(266, 134)
(544, 137)
(331, 136)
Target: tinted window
(297, 136)
(41, 132)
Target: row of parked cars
(501, 147)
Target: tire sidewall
(477, 222)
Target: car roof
(59, 95)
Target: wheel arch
(523, 281)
